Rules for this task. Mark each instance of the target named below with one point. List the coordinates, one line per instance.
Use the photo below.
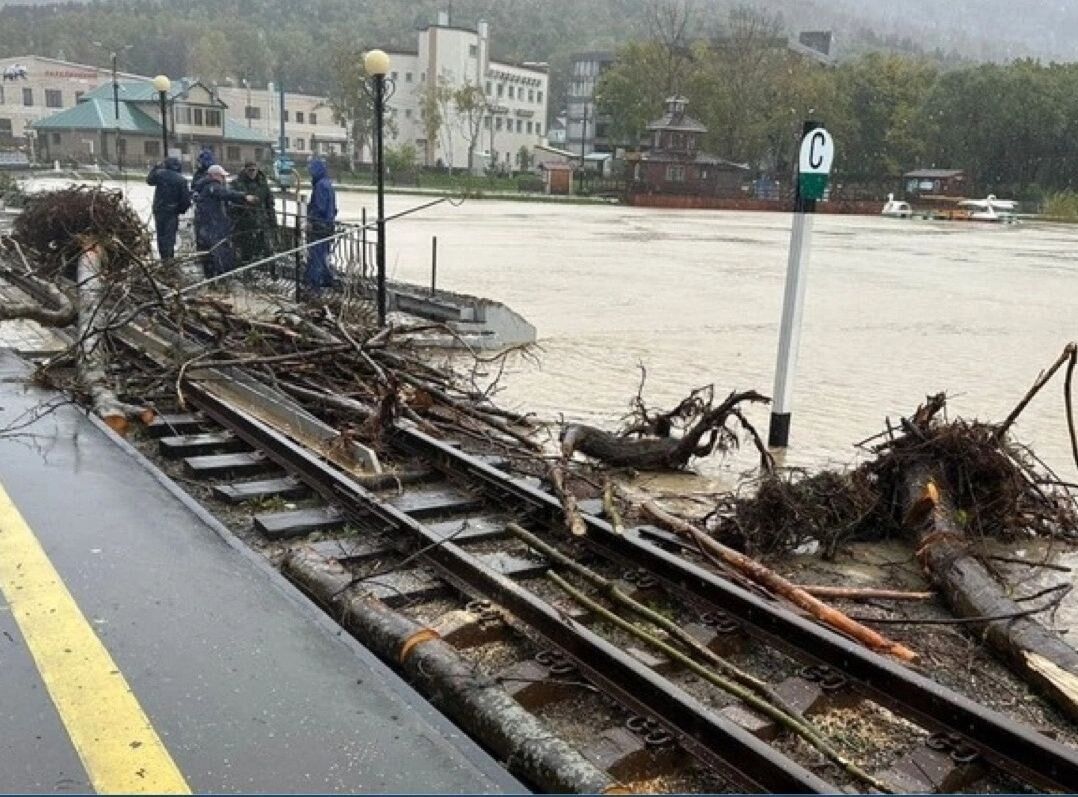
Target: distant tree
(433, 102)
(524, 158)
(401, 160)
(471, 107)
(352, 104)
(628, 92)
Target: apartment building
(513, 116)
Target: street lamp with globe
(162, 85)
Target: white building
(40, 88)
(310, 127)
(516, 96)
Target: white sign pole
(814, 164)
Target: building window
(407, 77)
(675, 173)
(213, 118)
(539, 97)
(232, 152)
(56, 138)
(501, 89)
(299, 143)
(538, 129)
(299, 117)
(151, 148)
(512, 89)
(473, 51)
(54, 98)
(531, 95)
(488, 87)
(258, 153)
(196, 117)
(252, 112)
(287, 143)
(498, 123)
(528, 127)
(284, 115)
(5, 128)
(312, 119)
(394, 76)
(407, 113)
(486, 122)
(520, 126)
(27, 96)
(2, 99)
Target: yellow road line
(120, 750)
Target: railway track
(432, 540)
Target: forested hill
(233, 39)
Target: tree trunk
(479, 703)
(93, 351)
(1034, 653)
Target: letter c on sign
(816, 158)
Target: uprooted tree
(658, 440)
(80, 253)
(947, 486)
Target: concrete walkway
(241, 684)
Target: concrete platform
(248, 687)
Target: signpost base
(778, 436)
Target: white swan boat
(990, 208)
(896, 210)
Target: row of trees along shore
(1012, 127)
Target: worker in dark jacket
(256, 225)
(198, 182)
(214, 233)
(321, 222)
(171, 199)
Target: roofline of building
(107, 70)
(539, 70)
(461, 28)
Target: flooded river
(895, 309)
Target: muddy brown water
(895, 309)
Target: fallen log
(1033, 652)
(475, 701)
(780, 586)
(658, 453)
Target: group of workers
(236, 223)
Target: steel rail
(1004, 742)
(721, 743)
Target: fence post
(433, 263)
(363, 242)
(299, 234)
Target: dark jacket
(213, 225)
(262, 214)
(198, 182)
(170, 195)
(322, 209)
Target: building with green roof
(99, 129)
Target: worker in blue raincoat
(214, 234)
(321, 218)
(171, 199)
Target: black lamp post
(376, 63)
(161, 85)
